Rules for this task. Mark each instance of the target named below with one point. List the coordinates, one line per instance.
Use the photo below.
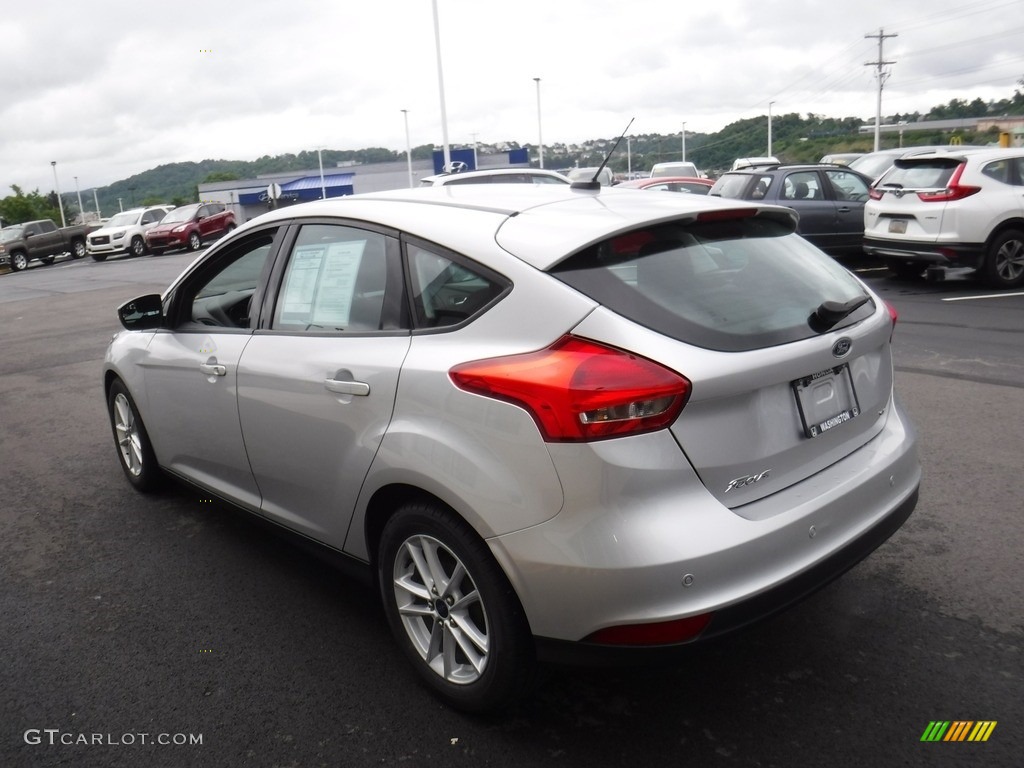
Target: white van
(675, 169)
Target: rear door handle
(360, 388)
(213, 369)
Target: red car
(689, 184)
(189, 226)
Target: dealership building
(249, 198)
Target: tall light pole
(440, 88)
(770, 128)
(882, 77)
(540, 135)
(81, 210)
(96, 199)
(408, 146)
(323, 186)
(629, 157)
(56, 186)
(684, 142)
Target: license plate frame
(826, 400)
(898, 226)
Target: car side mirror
(142, 314)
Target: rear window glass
(924, 174)
(734, 186)
(730, 285)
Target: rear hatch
(788, 353)
(909, 201)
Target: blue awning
(305, 188)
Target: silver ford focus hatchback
(552, 423)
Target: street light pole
(770, 128)
(440, 88)
(81, 210)
(540, 135)
(56, 186)
(96, 199)
(323, 186)
(684, 142)
(408, 146)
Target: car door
(850, 192)
(803, 191)
(317, 384)
(191, 369)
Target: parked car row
(150, 229)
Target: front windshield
(185, 213)
(7, 234)
(123, 219)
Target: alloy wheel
(441, 609)
(128, 440)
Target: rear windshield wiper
(829, 313)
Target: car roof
(541, 225)
(651, 181)
(492, 172)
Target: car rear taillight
(659, 633)
(876, 194)
(894, 316)
(954, 189)
(578, 390)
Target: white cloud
(109, 89)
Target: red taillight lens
(953, 191)
(578, 390)
(876, 194)
(894, 316)
(660, 633)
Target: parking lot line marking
(989, 296)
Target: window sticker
(321, 284)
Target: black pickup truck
(42, 240)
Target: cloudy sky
(108, 88)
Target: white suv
(125, 232)
(951, 209)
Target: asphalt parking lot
(128, 618)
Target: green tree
(20, 207)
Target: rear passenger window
(335, 281)
(447, 292)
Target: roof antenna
(594, 183)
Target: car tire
(1004, 264)
(99, 257)
(193, 241)
(78, 249)
(137, 247)
(134, 450)
(18, 261)
(905, 270)
(452, 610)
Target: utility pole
(882, 77)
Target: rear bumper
(659, 547)
(969, 255)
(742, 614)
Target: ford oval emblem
(842, 347)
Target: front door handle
(213, 369)
(360, 388)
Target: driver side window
(221, 296)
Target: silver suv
(941, 209)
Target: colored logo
(958, 730)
